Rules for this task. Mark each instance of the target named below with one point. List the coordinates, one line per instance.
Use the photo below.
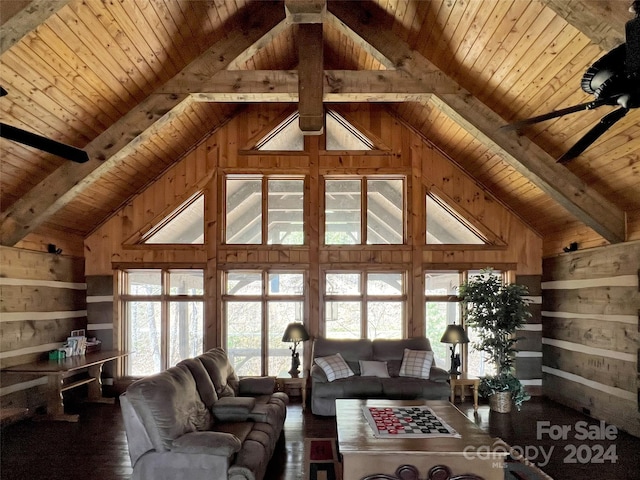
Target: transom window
(364, 210)
(257, 307)
(259, 208)
(163, 313)
(364, 304)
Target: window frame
(363, 179)
(264, 208)
(264, 298)
(363, 297)
(165, 298)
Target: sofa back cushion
(222, 374)
(204, 384)
(351, 350)
(169, 405)
(386, 350)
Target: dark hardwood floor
(96, 446)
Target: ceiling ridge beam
(121, 138)
(587, 205)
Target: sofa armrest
(317, 374)
(233, 409)
(210, 443)
(254, 386)
(438, 374)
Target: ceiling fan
(614, 79)
(41, 143)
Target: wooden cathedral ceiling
(137, 83)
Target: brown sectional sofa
(199, 421)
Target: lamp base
(454, 372)
(294, 373)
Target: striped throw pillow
(416, 363)
(334, 367)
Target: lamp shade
(454, 334)
(295, 332)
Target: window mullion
(164, 320)
(363, 212)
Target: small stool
(462, 380)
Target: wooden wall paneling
(591, 302)
(42, 298)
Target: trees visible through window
(258, 306)
(163, 317)
(264, 207)
(364, 210)
(364, 304)
(442, 307)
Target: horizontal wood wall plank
(40, 299)
(597, 333)
(597, 368)
(600, 300)
(622, 412)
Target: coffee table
(363, 454)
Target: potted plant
(495, 311)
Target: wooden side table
(294, 385)
(462, 380)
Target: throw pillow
(369, 368)
(334, 367)
(416, 363)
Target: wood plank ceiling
(117, 78)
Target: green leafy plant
(495, 311)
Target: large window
(258, 306)
(364, 210)
(442, 307)
(163, 317)
(259, 208)
(364, 304)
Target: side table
(462, 380)
(290, 385)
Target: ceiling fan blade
(592, 135)
(556, 113)
(43, 143)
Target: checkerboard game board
(407, 422)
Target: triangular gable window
(340, 135)
(185, 225)
(446, 226)
(285, 137)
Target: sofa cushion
(211, 443)
(169, 406)
(371, 368)
(252, 386)
(334, 367)
(224, 378)
(384, 349)
(233, 409)
(205, 386)
(416, 363)
(408, 388)
(351, 350)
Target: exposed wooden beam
(602, 21)
(310, 78)
(305, 11)
(339, 86)
(526, 157)
(26, 20)
(591, 208)
(119, 140)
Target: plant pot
(500, 402)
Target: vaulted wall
(403, 151)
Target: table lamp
(454, 334)
(295, 333)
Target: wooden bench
(59, 370)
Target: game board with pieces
(408, 422)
